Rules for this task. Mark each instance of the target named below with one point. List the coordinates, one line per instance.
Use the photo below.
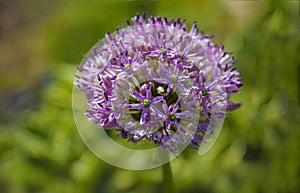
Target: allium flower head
(156, 80)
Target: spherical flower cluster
(155, 80)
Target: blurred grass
(41, 151)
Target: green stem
(168, 179)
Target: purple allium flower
(148, 79)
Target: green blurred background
(42, 42)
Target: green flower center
(174, 78)
(204, 92)
(164, 51)
(146, 103)
(171, 117)
(128, 66)
(114, 108)
(181, 54)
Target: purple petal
(192, 74)
(145, 116)
(157, 99)
(183, 115)
(135, 57)
(232, 106)
(197, 138)
(137, 95)
(163, 71)
(176, 70)
(104, 110)
(176, 105)
(194, 30)
(161, 80)
(109, 123)
(204, 106)
(165, 107)
(170, 87)
(168, 125)
(130, 126)
(178, 126)
(117, 114)
(204, 128)
(106, 83)
(157, 112)
(148, 91)
(124, 59)
(180, 86)
(134, 106)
